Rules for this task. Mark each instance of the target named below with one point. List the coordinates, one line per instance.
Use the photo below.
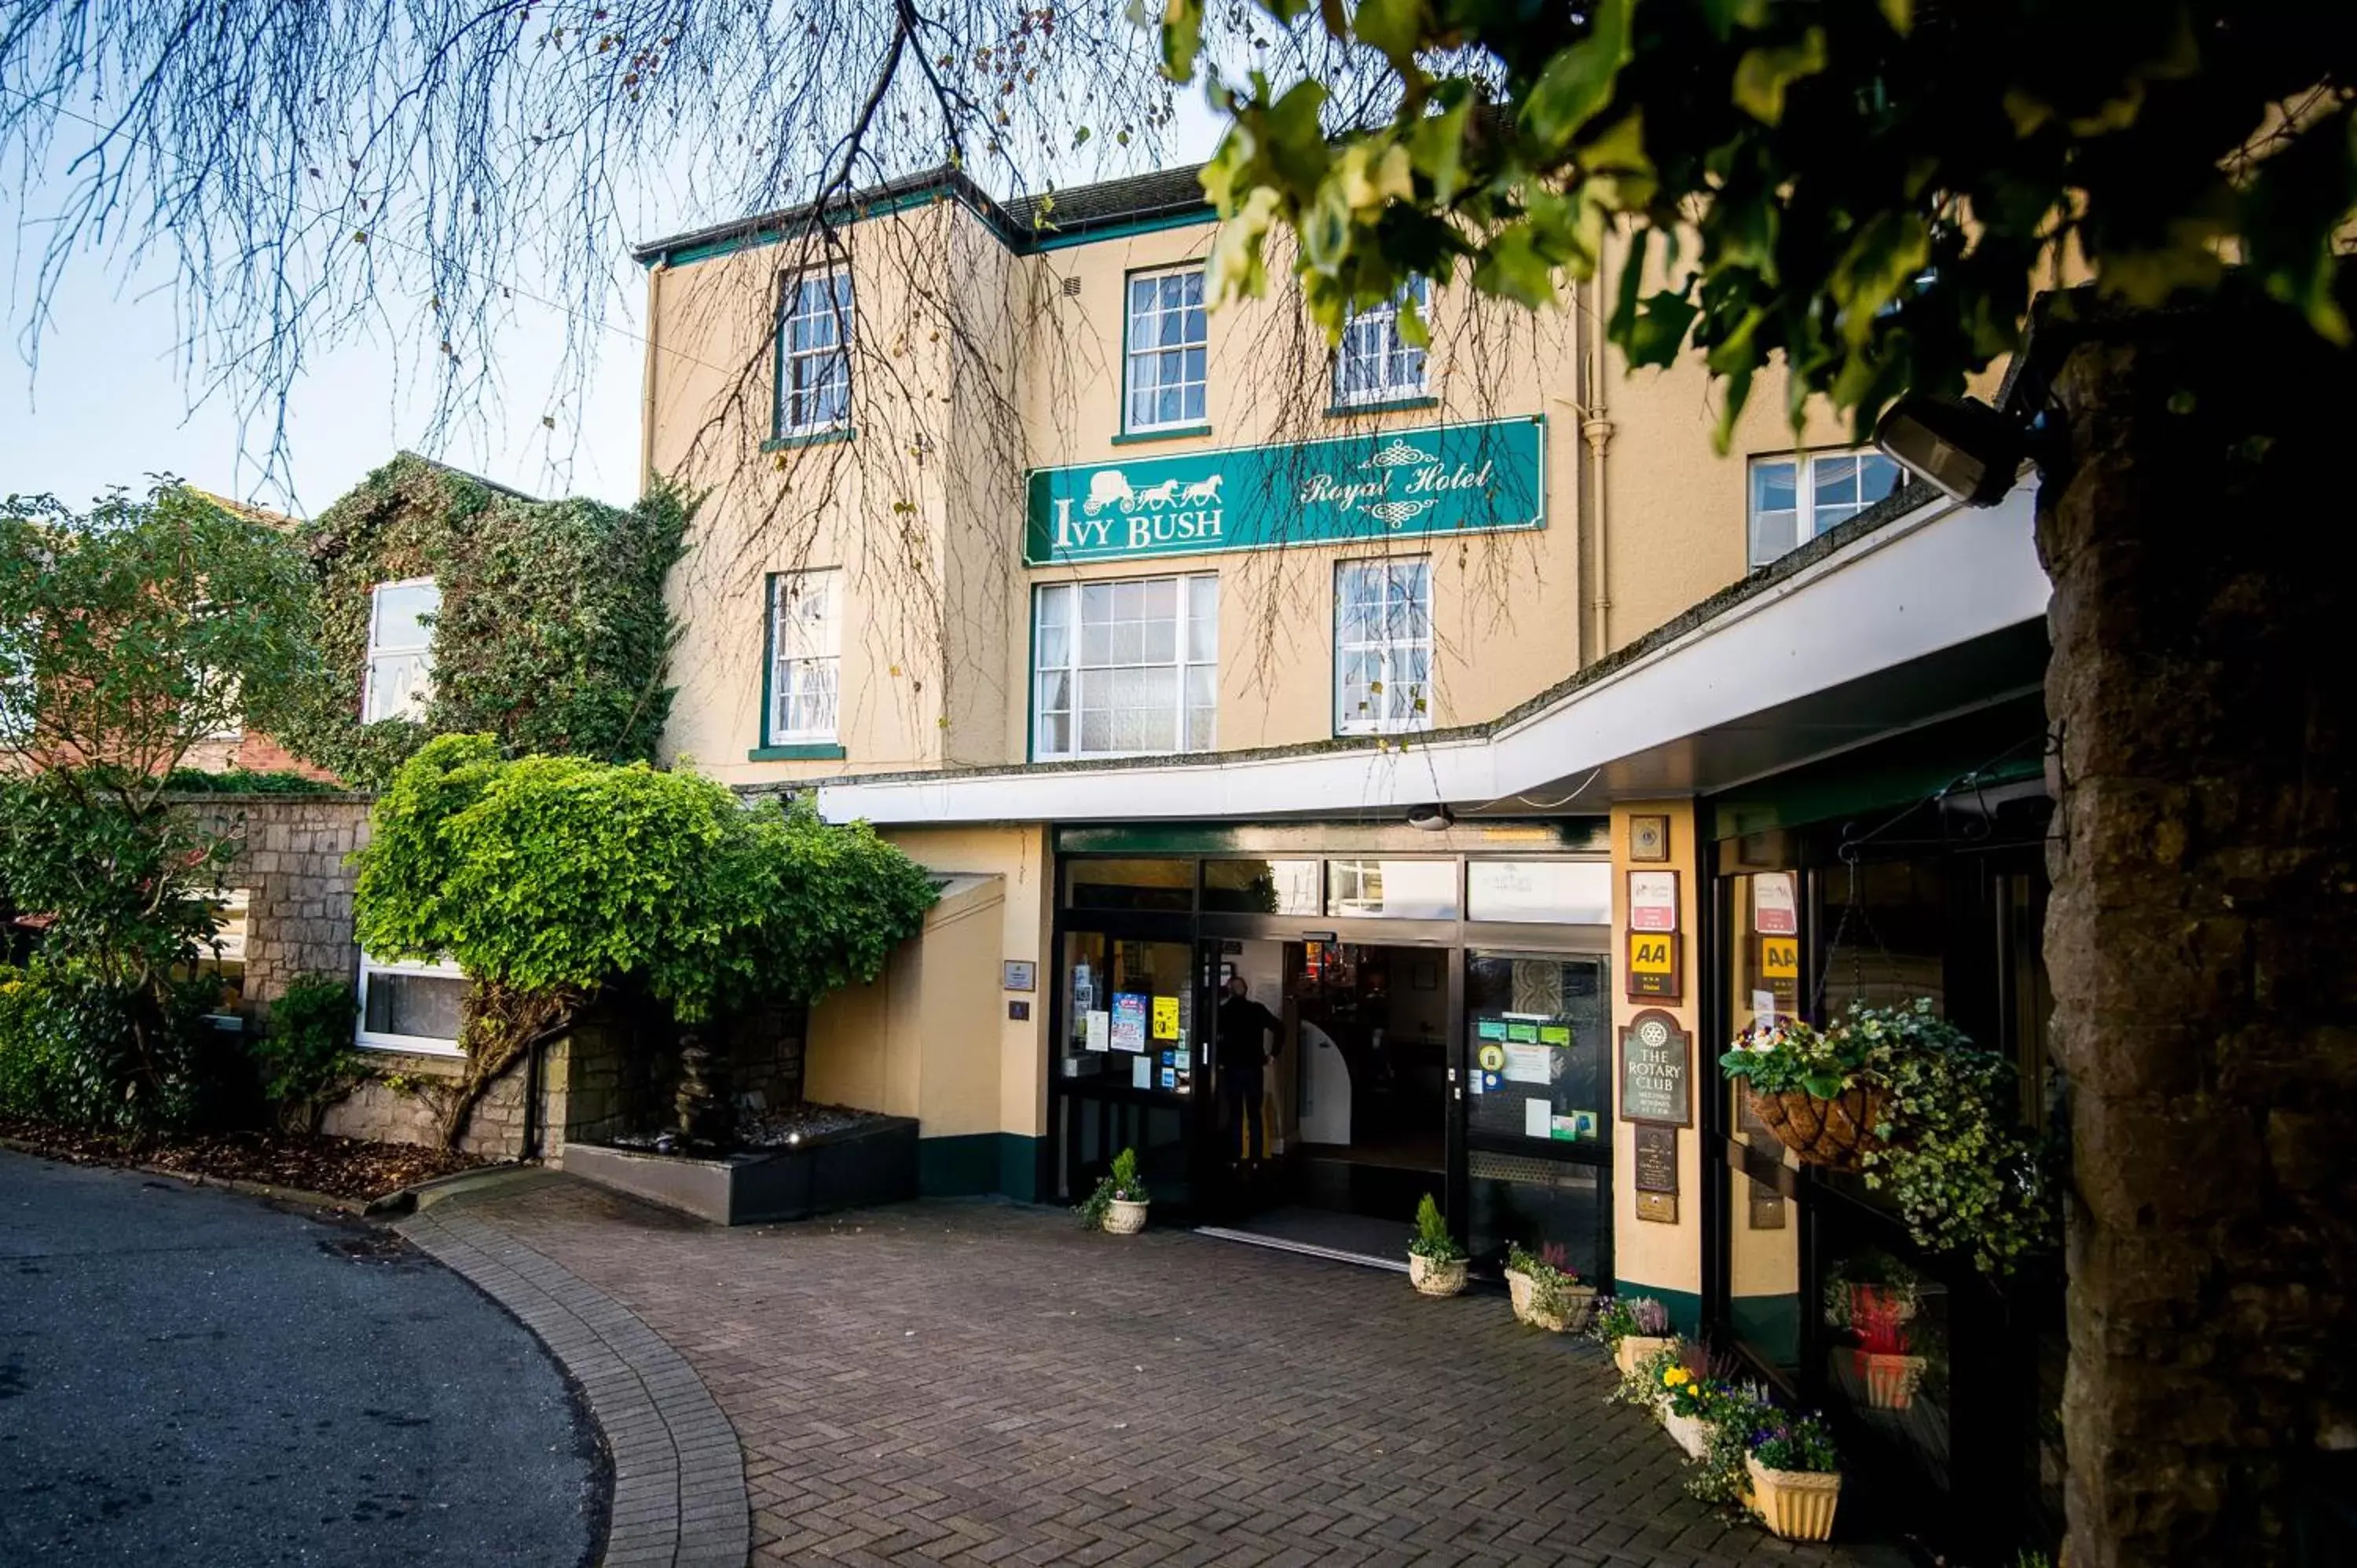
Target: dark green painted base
(978, 1163)
(1686, 1305)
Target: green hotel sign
(1447, 478)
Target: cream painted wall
(1647, 1253)
(931, 1037)
(974, 365)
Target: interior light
(1965, 447)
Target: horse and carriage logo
(1111, 487)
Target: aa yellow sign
(1780, 958)
(1653, 965)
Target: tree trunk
(2203, 936)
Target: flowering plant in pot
(1683, 1398)
(1810, 1088)
(1795, 1474)
(1436, 1263)
(1544, 1295)
(1634, 1330)
(1118, 1204)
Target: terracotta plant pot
(1834, 1132)
(1688, 1432)
(1795, 1504)
(1125, 1218)
(1890, 1381)
(1636, 1350)
(1434, 1278)
(1577, 1302)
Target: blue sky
(109, 398)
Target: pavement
(969, 1383)
(190, 1376)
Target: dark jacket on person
(1246, 1029)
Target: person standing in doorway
(1250, 1037)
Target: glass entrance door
(1538, 1111)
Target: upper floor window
(400, 650)
(805, 654)
(815, 355)
(1125, 669)
(1373, 363)
(1167, 339)
(1382, 646)
(18, 704)
(1794, 500)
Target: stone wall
(611, 1074)
(293, 862)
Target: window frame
(1387, 648)
(1190, 587)
(1200, 421)
(771, 656)
(835, 283)
(378, 648)
(1803, 464)
(364, 1038)
(1382, 321)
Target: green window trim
(816, 751)
(1160, 432)
(1396, 405)
(1176, 432)
(807, 438)
(785, 751)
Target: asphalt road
(189, 1376)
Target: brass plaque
(1661, 1208)
(1657, 1158)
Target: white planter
(1577, 1301)
(1434, 1278)
(1795, 1504)
(1125, 1218)
(1688, 1432)
(1636, 1350)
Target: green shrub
(80, 1052)
(550, 878)
(305, 1058)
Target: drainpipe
(647, 378)
(1597, 429)
(531, 1117)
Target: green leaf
(1511, 266)
(1182, 38)
(1900, 15)
(1725, 16)
(1412, 330)
(1578, 82)
(1763, 73)
(1658, 332)
(1889, 254)
(1397, 27)
(1437, 147)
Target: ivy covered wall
(553, 634)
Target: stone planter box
(874, 1162)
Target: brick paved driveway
(974, 1383)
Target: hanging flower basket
(1836, 1132)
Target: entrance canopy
(1931, 613)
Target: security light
(1965, 448)
(1431, 819)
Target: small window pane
(1400, 889)
(1164, 884)
(1261, 886)
(423, 1006)
(1571, 893)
